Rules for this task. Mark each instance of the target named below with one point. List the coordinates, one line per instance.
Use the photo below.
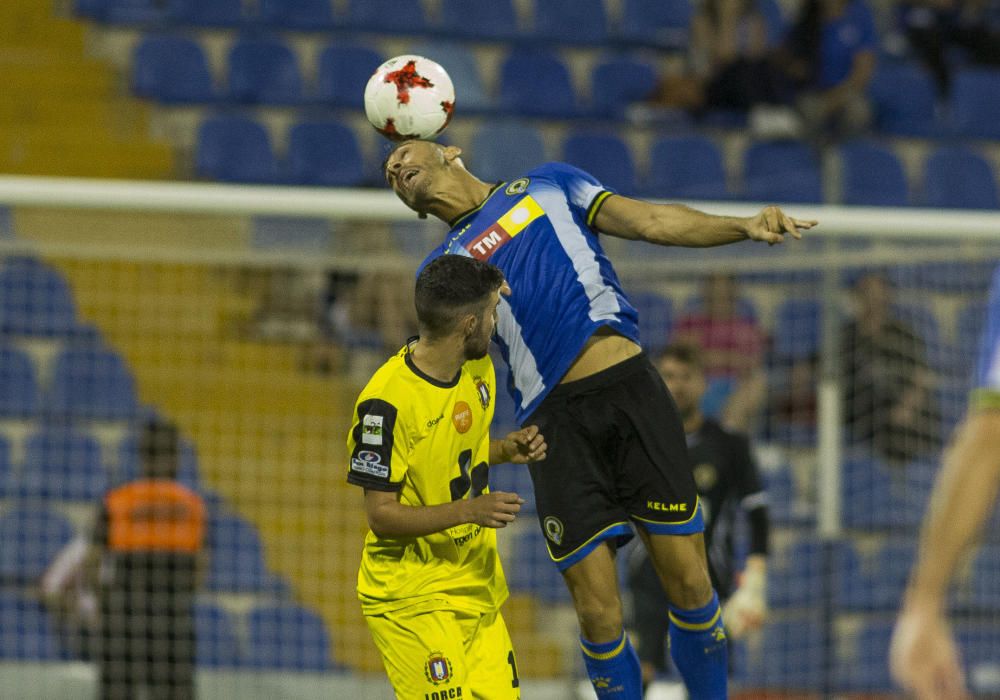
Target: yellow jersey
(429, 441)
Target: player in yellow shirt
(430, 582)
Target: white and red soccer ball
(409, 97)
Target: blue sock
(613, 668)
(698, 648)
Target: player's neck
(461, 195)
(440, 360)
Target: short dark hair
(686, 353)
(159, 448)
(450, 287)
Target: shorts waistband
(599, 380)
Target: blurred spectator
(69, 598)
(373, 309)
(146, 560)
(934, 28)
(732, 346)
(888, 401)
(791, 410)
(829, 55)
(729, 485)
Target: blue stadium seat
(218, 645)
(6, 468)
(264, 71)
(130, 468)
(91, 383)
(234, 149)
(617, 83)
(872, 175)
(463, 69)
(975, 110)
(774, 18)
(880, 586)
(529, 568)
(800, 568)
(19, 398)
(304, 15)
(662, 23)
(288, 637)
(984, 582)
(781, 171)
(127, 11)
(236, 557)
(797, 328)
(536, 83)
(505, 150)
(605, 156)
(478, 19)
(655, 319)
(866, 494)
(342, 73)
(571, 21)
(903, 97)
(27, 632)
(978, 644)
(30, 538)
(61, 464)
(789, 656)
(171, 69)
(956, 177)
(386, 16)
(686, 167)
(865, 666)
(324, 154)
(217, 13)
(35, 300)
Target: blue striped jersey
(988, 371)
(538, 231)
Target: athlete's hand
(923, 657)
(494, 509)
(523, 446)
(747, 607)
(771, 225)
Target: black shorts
(616, 455)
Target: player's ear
(451, 153)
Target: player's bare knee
(691, 589)
(600, 621)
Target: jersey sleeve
(377, 445)
(584, 192)
(987, 393)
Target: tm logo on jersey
(483, 246)
(371, 430)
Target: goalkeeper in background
(728, 481)
(923, 656)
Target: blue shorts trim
(621, 531)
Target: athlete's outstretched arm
(923, 655)
(676, 224)
(387, 517)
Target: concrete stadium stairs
(63, 113)
(270, 436)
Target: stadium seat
(864, 665)
(61, 464)
(463, 70)
(686, 167)
(799, 571)
(655, 319)
(605, 156)
(984, 583)
(218, 13)
(797, 329)
(303, 15)
(529, 568)
(126, 11)
(264, 71)
(867, 494)
(661, 23)
(617, 83)
(6, 468)
(789, 656)
(130, 467)
(234, 149)
(325, 154)
(91, 383)
(781, 171)
(478, 19)
(978, 644)
(536, 83)
(236, 557)
(30, 538)
(35, 300)
(872, 176)
(288, 637)
(571, 21)
(19, 397)
(171, 69)
(955, 177)
(879, 587)
(904, 99)
(27, 632)
(218, 645)
(975, 110)
(342, 73)
(505, 150)
(386, 16)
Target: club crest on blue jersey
(484, 391)
(438, 668)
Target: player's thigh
(493, 674)
(424, 654)
(681, 565)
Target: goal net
(249, 319)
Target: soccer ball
(409, 97)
